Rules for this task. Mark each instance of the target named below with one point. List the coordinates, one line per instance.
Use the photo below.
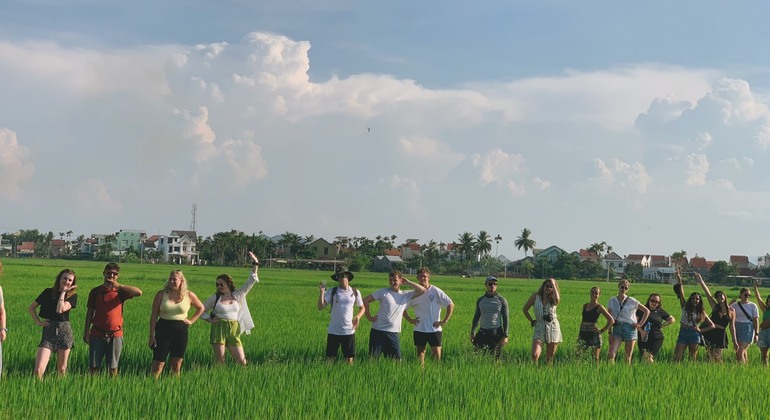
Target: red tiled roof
(27, 246)
(586, 253)
(635, 257)
(738, 259)
(393, 252)
(698, 262)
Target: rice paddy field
(288, 378)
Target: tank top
(229, 311)
(719, 318)
(590, 316)
(173, 311)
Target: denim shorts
(688, 336)
(764, 339)
(744, 332)
(625, 331)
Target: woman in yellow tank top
(169, 323)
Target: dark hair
(719, 305)
(56, 289)
(228, 280)
(660, 301)
(691, 307)
(112, 266)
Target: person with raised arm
(104, 320)
(764, 328)
(384, 337)
(746, 325)
(690, 328)
(427, 319)
(623, 309)
(651, 335)
(491, 317)
(590, 336)
(723, 317)
(341, 332)
(545, 322)
(169, 323)
(228, 313)
(55, 304)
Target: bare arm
(682, 300)
(706, 290)
(322, 303)
(707, 320)
(761, 304)
(357, 317)
(409, 319)
(33, 313)
(130, 291)
(525, 309)
(62, 305)
(449, 310)
(731, 314)
(645, 311)
(367, 300)
(195, 303)
(154, 317)
(610, 319)
(418, 290)
(87, 330)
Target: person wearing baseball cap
(492, 319)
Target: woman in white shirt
(623, 310)
(746, 324)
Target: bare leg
(219, 353)
(41, 361)
(614, 346)
(420, 354)
(435, 352)
(237, 353)
(679, 352)
(630, 350)
(175, 364)
(537, 348)
(764, 350)
(62, 357)
(155, 370)
(693, 351)
(550, 352)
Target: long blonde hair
(182, 287)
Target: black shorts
(489, 341)
(346, 342)
(652, 345)
(384, 343)
(423, 338)
(170, 338)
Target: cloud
(618, 172)
(16, 169)
(541, 183)
(93, 196)
(498, 166)
(429, 155)
(697, 168)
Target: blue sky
(645, 125)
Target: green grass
(287, 377)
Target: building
(180, 247)
(323, 249)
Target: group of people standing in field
(628, 321)
(226, 310)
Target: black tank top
(592, 315)
(720, 319)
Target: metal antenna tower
(194, 212)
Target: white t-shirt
(427, 307)
(750, 308)
(392, 306)
(628, 312)
(341, 322)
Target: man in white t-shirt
(343, 324)
(386, 325)
(427, 319)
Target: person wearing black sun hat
(343, 324)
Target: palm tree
(679, 259)
(524, 241)
(466, 245)
(483, 243)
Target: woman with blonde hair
(229, 316)
(55, 304)
(169, 323)
(545, 323)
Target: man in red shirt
(104, 320)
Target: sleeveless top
(591, 316)
(173, 311)
(720, 319)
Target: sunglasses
(491, 284)
(221, 285)
(654, 301)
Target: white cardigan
(244, 316)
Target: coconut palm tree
(483, 243)
(466, 244)
(524, 241)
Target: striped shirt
(491, 313)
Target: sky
(645, 125)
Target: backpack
(334, 293)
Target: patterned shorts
(57, 335)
